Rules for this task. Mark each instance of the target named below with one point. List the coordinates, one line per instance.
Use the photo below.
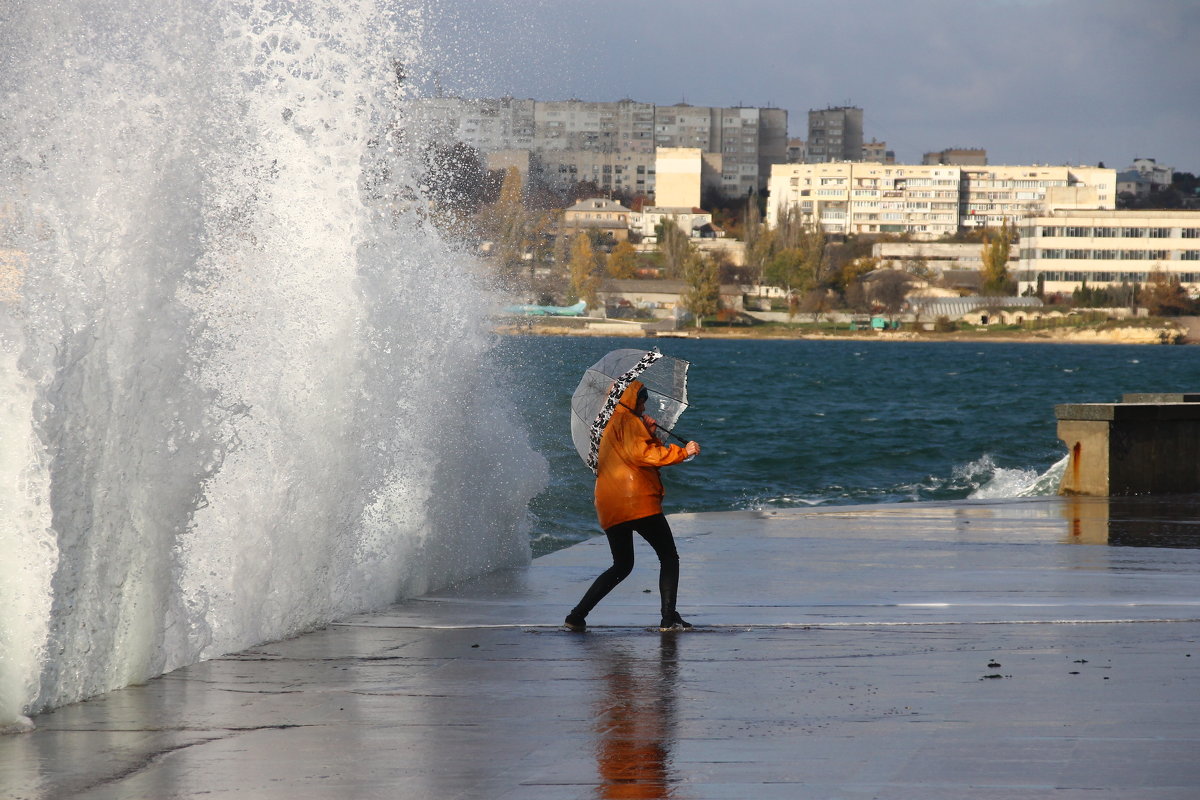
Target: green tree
(622, 261)
(996, 246)
(788, 270)
(703, 294)
(584, 282)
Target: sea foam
(246, 387)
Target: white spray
(244, 388)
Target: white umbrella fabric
(601, 387)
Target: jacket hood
(629, 396)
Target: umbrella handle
(673, 435)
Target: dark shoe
(674, 623)
(575, 624)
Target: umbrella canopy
(603, 383)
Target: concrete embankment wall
(1149, 444)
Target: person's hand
(651, 424)
(692, 449)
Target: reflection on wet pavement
(1158, 521)
(635, 719)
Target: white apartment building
(930, 201)
(1107, 247)
(868, 197)
(991, 195)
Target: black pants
(657, 532)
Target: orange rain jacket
(627, 483)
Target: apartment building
(991, 195)
(613, 143)
(930, 201)
(868, 197)
(877, 151)
(835, 134)
(1105, 247)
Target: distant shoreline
(1124, 335)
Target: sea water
(823, 423)
(245, 388)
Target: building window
(1191, 233)
(1104, 233)
(1076, 232)
(1133, 233)
(1190, 255)
(1160, 233)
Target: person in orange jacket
(629, 497)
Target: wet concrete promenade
(1024, 649)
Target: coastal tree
(889, 290)
(585, 284)
(622, 261)
(786, 269)
(1164, 295)
(675, 246)
(702, 297)
(753, 234)
(505, 222)
(996, 246)
(848, 280)
(817, 302)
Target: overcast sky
(1031, 81)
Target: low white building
(930, 201)
(690, 220)
(658, 298)
(1066, 248)
(938, 257)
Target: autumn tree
(996, 246)
(755, 235)
(675, 247)
(622, 261)
(1164, 295)
(889, 289)
(585, 284)
(702, 297)
(816, 302)
(848, 280)
(505, 222)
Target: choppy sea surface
(811, 423)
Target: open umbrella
(603, 383)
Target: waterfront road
(1045, 648)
